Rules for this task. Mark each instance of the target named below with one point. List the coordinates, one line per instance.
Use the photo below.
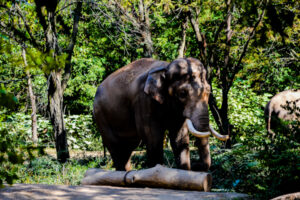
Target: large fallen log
(157, 176)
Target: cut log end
(207, 183)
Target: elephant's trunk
(218, 135)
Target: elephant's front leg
(150, 128)
(204, 154)
(154, 146)
(180, 145)
(152, 135)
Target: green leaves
(7, 100)
(45, 61)
(82, 132)
(12, 152)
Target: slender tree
(184, 27)
(59, 54)
(32, 99)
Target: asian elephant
(142, 100)
(283, 106)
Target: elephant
(283, 106)
(138, 103)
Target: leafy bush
(256, 164)
(9, 155)
(82, 133)
(266, 171)
(14, 149)
(47, 170)
(20, 124)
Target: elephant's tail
(104, 151)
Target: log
(157, 176)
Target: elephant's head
(184, 81)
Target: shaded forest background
(55, 54)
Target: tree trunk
(32, 100)
(226, 128)
(145, 29)
(55, 99)
(200, 38)
(221, 116)
(157, 176)
(148, 45)
(182, 45)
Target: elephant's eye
(182, 94)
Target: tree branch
(182, 45)
(119, 25)
(237, 67)
(228, 36)
(16, 35)
(199, 37)
(21, 79)
(40, 15)
(212, 58)
(32, 39)
(77, 15)
(68, 5)
(129, 17)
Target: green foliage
(9, 156)
(14, 79)
(47, 170)
(7, 100)
(256, 164)
(246, 111)
(82, 133)
(45, 61)
(87, 74)
(265, 171)
(14, 149)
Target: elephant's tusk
(218, 135)
(194, 131)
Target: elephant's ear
(154, 83)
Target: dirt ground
(63, 192)
(75, 153)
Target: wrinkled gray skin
(278, 109)
(142, 100)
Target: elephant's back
(285, 103)
(286, 96)
(127, 74)
(129, 79)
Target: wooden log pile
(157, 176)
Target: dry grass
(74, 153)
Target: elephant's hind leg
(121, 154)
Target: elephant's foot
(200, 166)
(120, 166)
